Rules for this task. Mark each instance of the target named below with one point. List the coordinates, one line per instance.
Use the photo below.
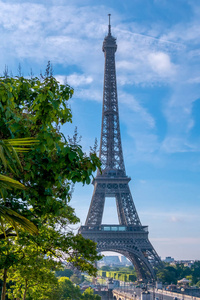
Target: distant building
(101, 263)
(172, 262)
(108, 260)
(123, 259)
(169, 259)
(189, 263)
(184, 282)
(114, 260)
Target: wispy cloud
(140, 112)
(75, 79)
(146, 57)
(171, 216)
(179, 241)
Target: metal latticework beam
(112, 187)
(111, 148)
(129, 238)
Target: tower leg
(125, 206)
(95, 213)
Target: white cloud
(75, 79)
(178, 113)
(51, 33)
(140, 126)
(174, 144)
(143, 59)
(87, 94)
(175, 219)
(194, 80)
(140, 112)
(160, 63)
(123, 64)
(62, 79)
(68, 35)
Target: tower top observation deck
(109, 41)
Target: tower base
(130, 241)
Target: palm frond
(9, 149)
(10, 182)
(2, 156)
(13, 217)
(20, 144)
(10, 160)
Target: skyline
(158, 79)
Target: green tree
(11, 165)
(166, 276)
(181, 271)
(37, 108)
(171, 274)
(8, 152)
(89, 295)
(67, 290)
(33, 277)
(75, 279)
(198, 284)
(64, 273)
(190, 277)
(195, 270)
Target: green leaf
(10, 182)
(13, 217)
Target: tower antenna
(109, 26)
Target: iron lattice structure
(129, 238)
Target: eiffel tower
(129, 238)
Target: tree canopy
(33, 107)
(171, 274)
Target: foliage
(15, 220)
(123, 273)
(64, 273)
(33, 277)
(67, 290)
(36, 108)
(75, 279)
(89, 295)
(198, 284)
(10, 162)
(171, 274)
(189, 277)
(102, 273)
(128, 270)
(166, 276)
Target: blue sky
(158, 76)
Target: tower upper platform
(109, 41)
